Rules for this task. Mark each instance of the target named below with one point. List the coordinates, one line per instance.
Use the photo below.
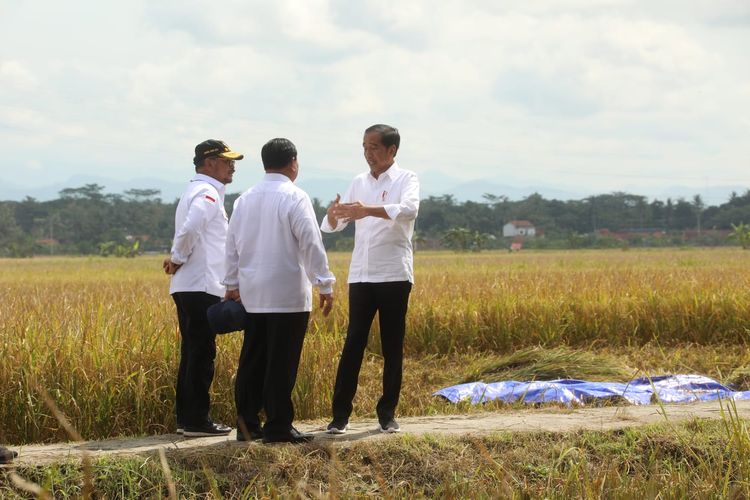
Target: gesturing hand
(350, 211)
(330, 213)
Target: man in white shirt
(274, 254)
(383, 203)
(196, 264)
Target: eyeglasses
(225, 160)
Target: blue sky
(584, 95)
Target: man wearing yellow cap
(196, 265)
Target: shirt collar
(274, 177)
(220, 187)
(390, 173)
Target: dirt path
(536, 419)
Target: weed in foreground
(647, 462)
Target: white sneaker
(337, 427)
(390, 427)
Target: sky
(588, 96)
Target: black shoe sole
(196, 434)
(287, 441)
(205, 432)
(306, 438)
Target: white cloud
(16, 75)
(544, 89)
(33, 165)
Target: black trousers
(197, 354)
(267, 370)
(390, 300)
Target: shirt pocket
(386, 194)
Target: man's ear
(392, 148)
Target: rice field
(100, 334)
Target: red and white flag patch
(210, 199)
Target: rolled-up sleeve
(326, 227)
(408, 208)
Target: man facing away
(274, 253)
(197, 267)
(383, 203)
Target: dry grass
(694, 460)
(580, 299)
(100, 334)
(536, 363)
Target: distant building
(47, 242)
(518, 228)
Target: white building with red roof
(518, 228)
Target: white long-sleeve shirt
(200, 234)
(382, 247)
(275, 249)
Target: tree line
(85, 220)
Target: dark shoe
(209, 429)
(294, 437)
(255, 433)
(6, 455)
(337, 426)
(389, 426)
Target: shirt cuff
(231, 286)
(326, 227)
(177, 259)
(392, 210)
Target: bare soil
(525, 420)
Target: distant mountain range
(325, 186)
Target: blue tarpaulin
(641, 391)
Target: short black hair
(389, 136)
(278, 153)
